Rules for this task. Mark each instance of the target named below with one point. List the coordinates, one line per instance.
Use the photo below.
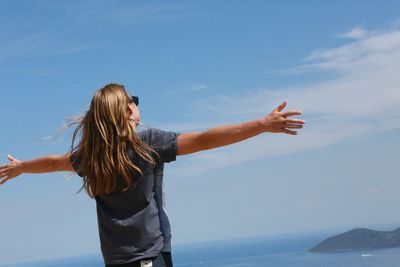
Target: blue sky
(196, 65)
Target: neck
(133, 124)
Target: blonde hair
(105, 134)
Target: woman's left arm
(275, 122)
(52, 163)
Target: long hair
(105, 133)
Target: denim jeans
(163, 259)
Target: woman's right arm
(52, 163)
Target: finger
(3, 167)
(4, 180)
(297, 121)
(294, 126)
(3, 174)
(11, 158)
(281, 106)
(289, 132)
(292, 113)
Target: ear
(129, 109)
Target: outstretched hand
(10, 170)
(278, 121)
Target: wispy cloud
(39, 44)
(355, 33)
(198, 87)
(362, 100)
(36, 38)
(63, 28)
(133, 14)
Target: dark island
(359, 238)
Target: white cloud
(198, 87)
(362, 100)
(189, 89)
(356, 33)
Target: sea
(287, 251)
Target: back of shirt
(133, 224)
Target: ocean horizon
(285, 251)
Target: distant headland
(359, 238)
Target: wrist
(19, 167)
(263, 125)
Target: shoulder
(76, 158)
(154, 136)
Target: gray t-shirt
(133, 224)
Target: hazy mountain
(359, 238)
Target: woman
(123, 170)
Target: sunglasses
(135, 100)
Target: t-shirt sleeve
(164, 143)
(76, 163)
